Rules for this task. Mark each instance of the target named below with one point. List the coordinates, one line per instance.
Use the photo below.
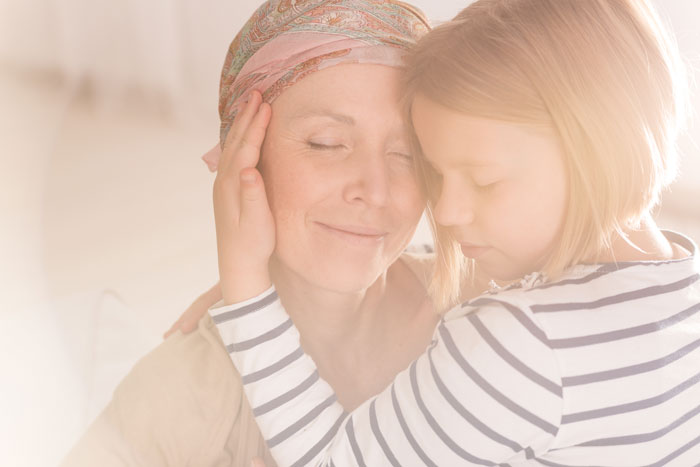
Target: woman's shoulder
(184, 365)
(184, 402)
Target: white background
(106, 231)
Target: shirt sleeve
(487, 391)
(181, 404)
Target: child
(548, 130)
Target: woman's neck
(359, 341)
(328, 319)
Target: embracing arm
(487, 391)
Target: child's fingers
(244, 245)
(253, 138)
(244, 117)
(255, 211)
(172, 329)
(188, 325)
(245, 232)
(239, 126)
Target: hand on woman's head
(245, 229)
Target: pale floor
(106, 236)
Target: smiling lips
(356, 233)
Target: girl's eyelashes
(407, 156)
(486, 187)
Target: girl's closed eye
(485, 179)
(401, 150)
(486, 186)
(404, 156)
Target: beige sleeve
(181, 405)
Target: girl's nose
(455, 206)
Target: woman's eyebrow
(341, 118)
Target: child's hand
(257, 462)
(245, 234)
(189, 319)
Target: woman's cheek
(409, 193)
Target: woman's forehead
(337, 90)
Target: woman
(346, 203)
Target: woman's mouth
(358, 234)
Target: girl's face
(339, 174)
(502, 187)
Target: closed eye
(403, 155)
(324, 147)
(484, 187)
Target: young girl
(548, 130)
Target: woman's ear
(211, 158)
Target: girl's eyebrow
(479, 164)
(340, 118)
(482, 165)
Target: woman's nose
(455, 206)
(368, 179)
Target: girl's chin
(500, 273)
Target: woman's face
(339, 175)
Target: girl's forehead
(478, 143)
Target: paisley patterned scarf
(286, 40)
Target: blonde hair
(604, 74)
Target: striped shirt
(600, 368)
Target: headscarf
(286, 40)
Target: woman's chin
(347, 281)
(346, 276)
